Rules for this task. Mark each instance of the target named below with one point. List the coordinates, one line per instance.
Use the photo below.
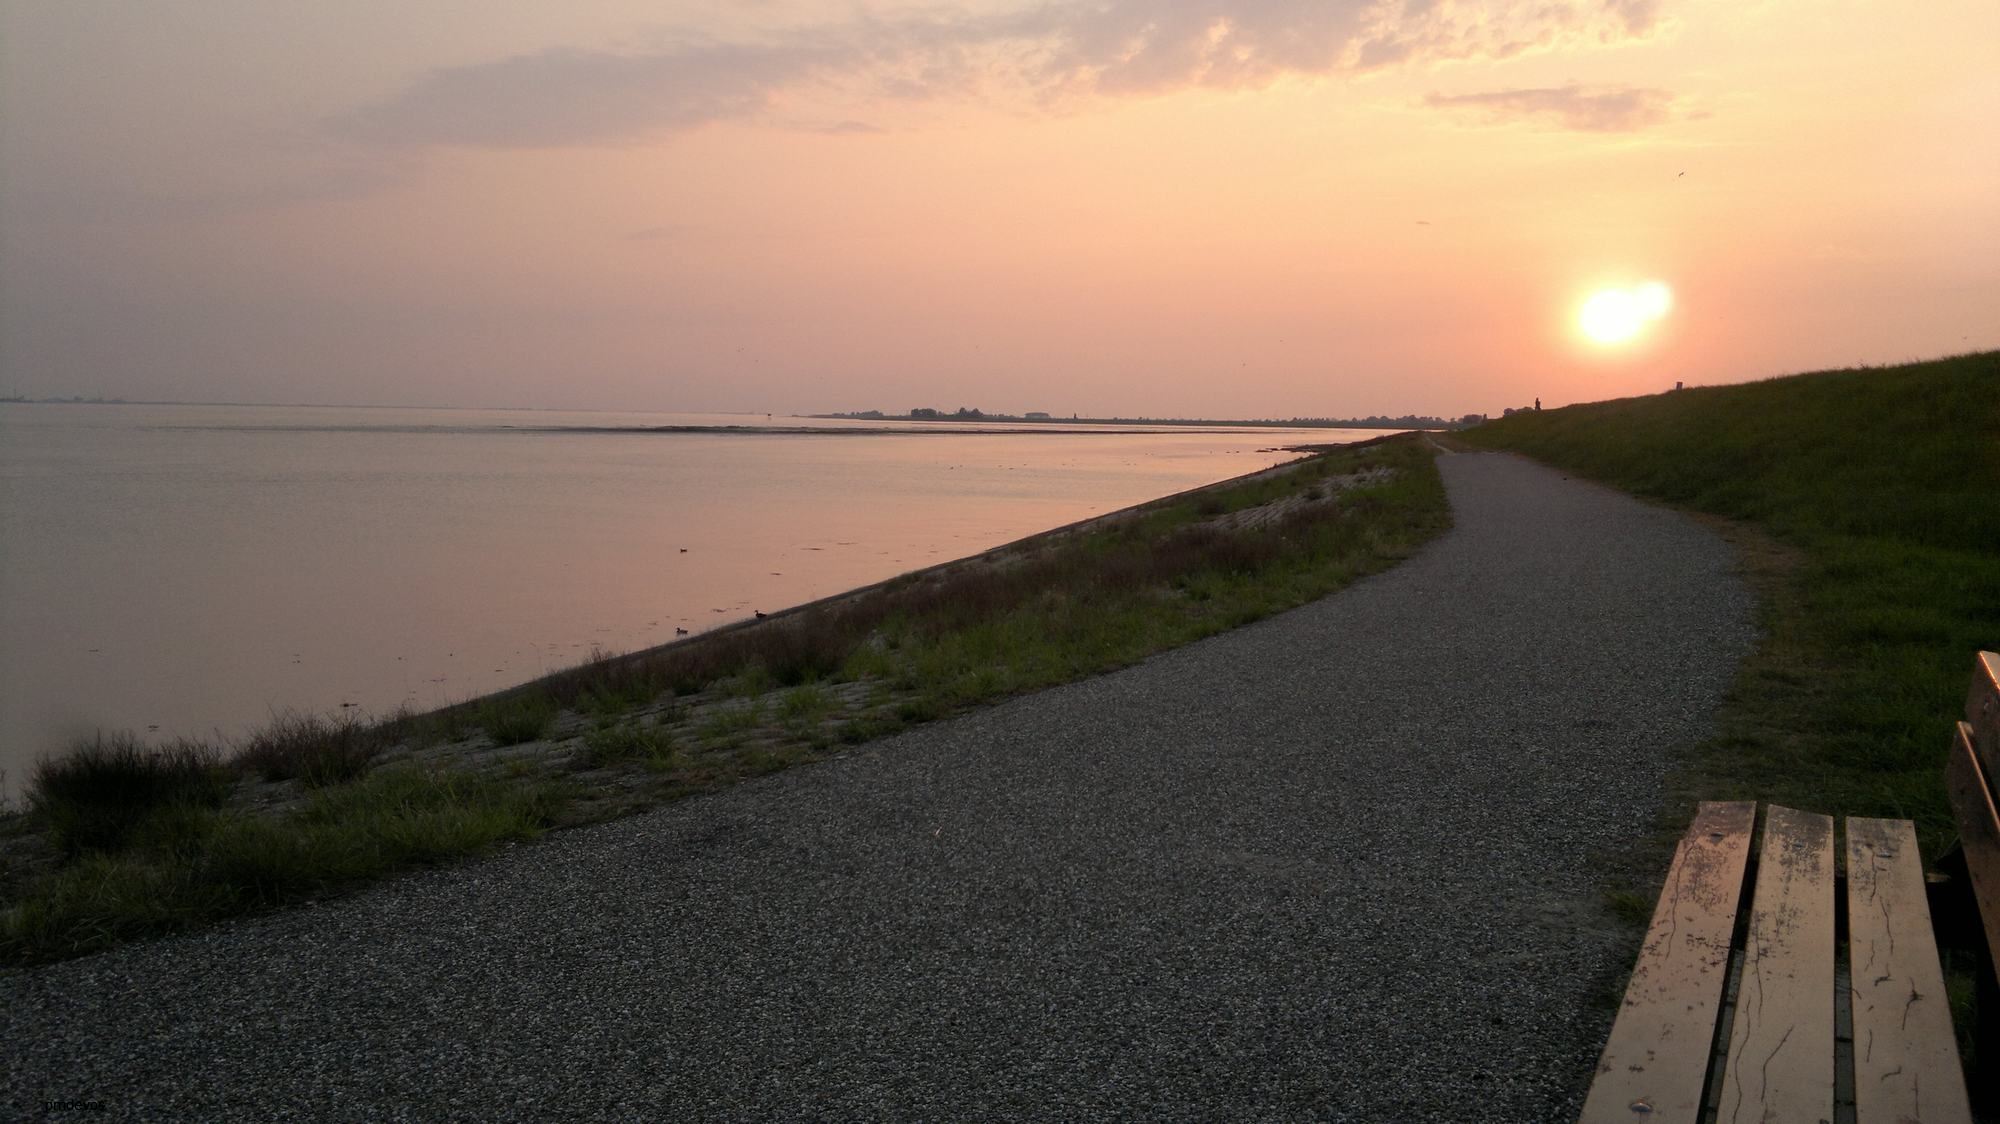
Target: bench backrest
(1975, 763)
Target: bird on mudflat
(680, 632)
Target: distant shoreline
(854, 431)
(1406, 422)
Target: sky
(1214, 208)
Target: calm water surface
(195, 569)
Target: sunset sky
(1168, 207)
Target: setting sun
(1615, 316)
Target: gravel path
(1338, 864)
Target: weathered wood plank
(1982, 710)
(1780, 1060)
(1906, 1067)
(1653, 1065)
(1969, 787)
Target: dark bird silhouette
(680, 632)
(760, 616)
(1682, 174)
(684, 550)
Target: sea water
(194, 570)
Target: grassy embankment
(120, 842)
(1867, 503)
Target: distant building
(1036, 415)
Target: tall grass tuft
(93, 797)
(514, 719)
(317, 751)
(607, 682)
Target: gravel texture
(1340, 864)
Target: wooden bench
(1766, 990)
(1970, 779)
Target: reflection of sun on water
(1616, 316)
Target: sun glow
(1617, 316)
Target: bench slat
(1969, 786)
(1905, 1058)
(1780, 1061)
(1658, 1052)
(1982, 710)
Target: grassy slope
(1879, 490)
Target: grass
(1631, 908)
(1865, 503)
(94, 797)
(174, 848)
(727, 726)
(184, 863)
(517, 718)
(627, 742)
(805, 704)
(314, 750)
